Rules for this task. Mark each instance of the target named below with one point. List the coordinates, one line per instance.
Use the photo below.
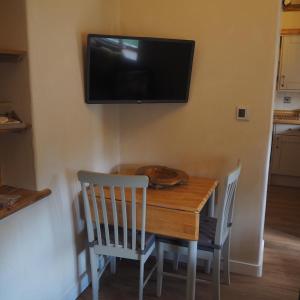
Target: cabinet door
(289, 69)
(286, 155)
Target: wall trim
(236, 266)
(244, 268)
(78, 288)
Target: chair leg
(176, 261)
(226, 255)
(94, 271)
(160, 268)
(113, 264)
(141, 281)
(191, 270)
(216, 274)
(208, 265)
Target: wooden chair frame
(105, 239)
(221, 241)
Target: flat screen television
(124, 69)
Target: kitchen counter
(289, 117)
(288, 122)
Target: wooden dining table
(175, 212)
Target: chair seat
(206, 240)
(149, 239)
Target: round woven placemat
(162, 177)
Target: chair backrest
(106, 209)
(225, 213)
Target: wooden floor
(281, 278)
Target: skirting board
(77, 289)
(244, 268)
(238, 267)
(241, 267)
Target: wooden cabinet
(286, 154)
(289, 65)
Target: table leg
(191, 271)
(211, 204)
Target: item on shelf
(3, 120)
(8, 200)
(10, 120)
(163, 177)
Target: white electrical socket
(287, 99)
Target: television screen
(135, 69)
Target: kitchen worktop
(290, 117)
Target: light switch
(242, 113)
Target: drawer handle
(282, 80)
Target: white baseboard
(250, 269)
(244, 268)
(239, 267)
(236, 266)
(78, 288)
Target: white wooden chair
(115, 240)
(214, 239)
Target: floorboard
(281, 277)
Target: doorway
(282, 222)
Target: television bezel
(137, 101)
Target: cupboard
(289, 63)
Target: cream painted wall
(41, 251)
(234, 64)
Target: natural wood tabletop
(173, 211)
(190, 197)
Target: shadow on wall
(83, 46)
(69, 232)
(174, 135)
(82, 262)
(79, 232)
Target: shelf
(13, 125)
(19, 129)
(10, 55)
(28, 197)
